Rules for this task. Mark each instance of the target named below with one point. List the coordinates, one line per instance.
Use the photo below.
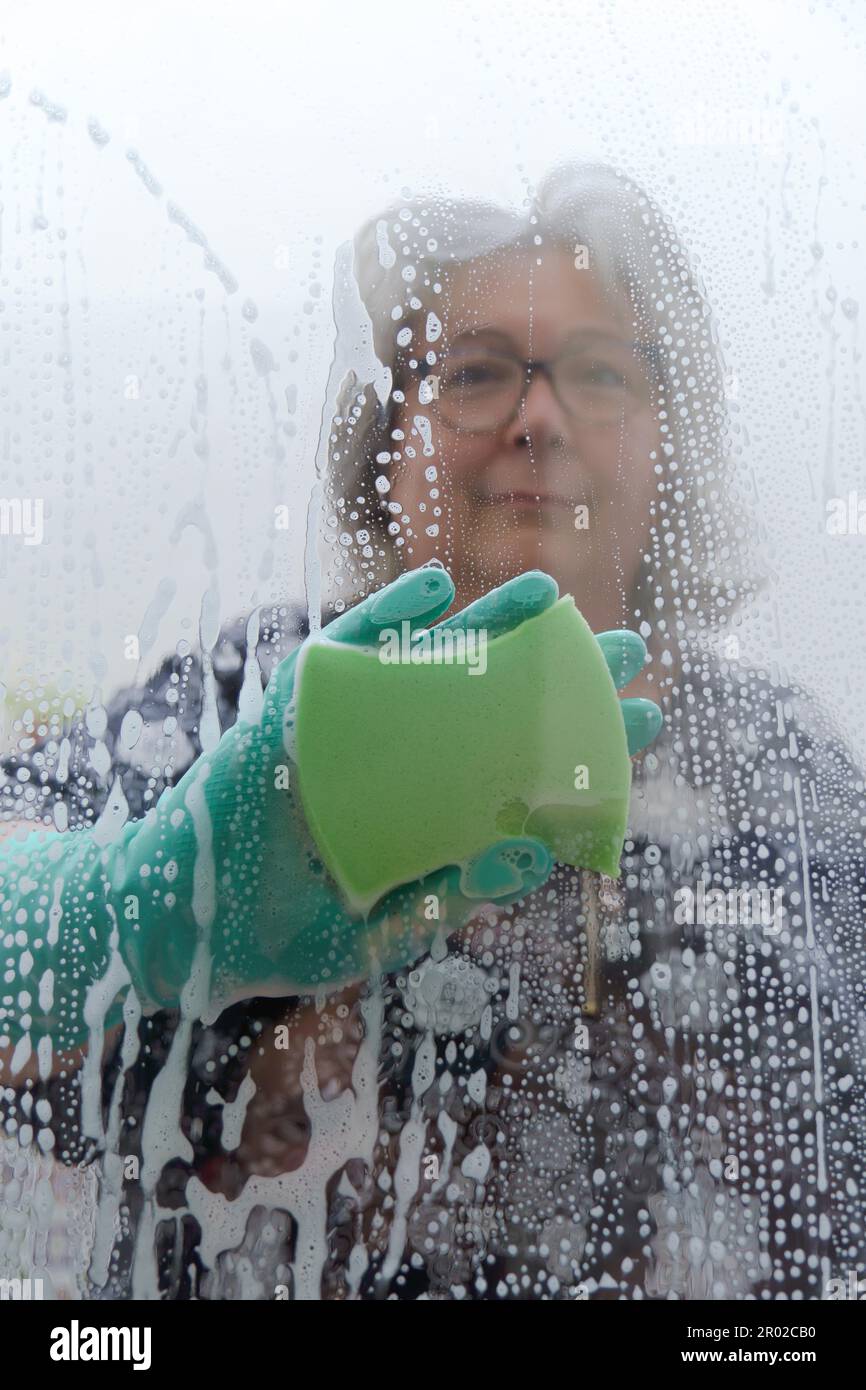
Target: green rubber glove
(220, 893)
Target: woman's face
(512, 496)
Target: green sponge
(406, 768)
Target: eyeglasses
(479, 389)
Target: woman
(747, 785)
(606, 1090)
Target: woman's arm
(58, 1063)
(219, 892)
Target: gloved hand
(219, 893)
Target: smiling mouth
(529, 499)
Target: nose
(539, 418)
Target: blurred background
(175, 186)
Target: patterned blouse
(638, 1088)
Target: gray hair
(695, 574)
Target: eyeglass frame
(648, 351)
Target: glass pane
(346, 964)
